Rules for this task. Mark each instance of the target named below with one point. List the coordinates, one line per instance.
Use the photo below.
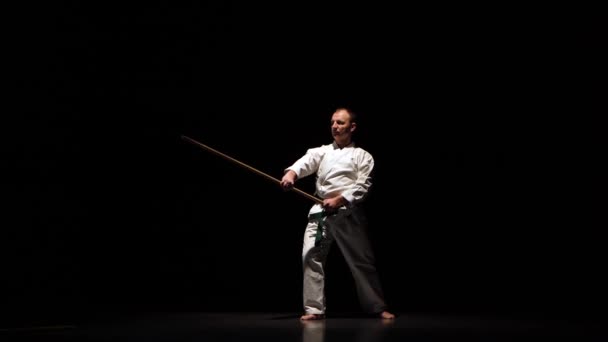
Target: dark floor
(287, 327)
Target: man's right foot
(312, 317)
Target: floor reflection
(366, 330)
(313, 331)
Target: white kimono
(347, 172)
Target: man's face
(341, 127)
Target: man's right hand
(288, 180)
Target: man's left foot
(386, 315)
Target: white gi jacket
(340, 171)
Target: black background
(474, 206)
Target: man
(343, 180)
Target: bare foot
(386, 315)
(312, 317)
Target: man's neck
(342, 144)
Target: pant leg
(313, 263)
(349, 229)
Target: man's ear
(353, 126)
